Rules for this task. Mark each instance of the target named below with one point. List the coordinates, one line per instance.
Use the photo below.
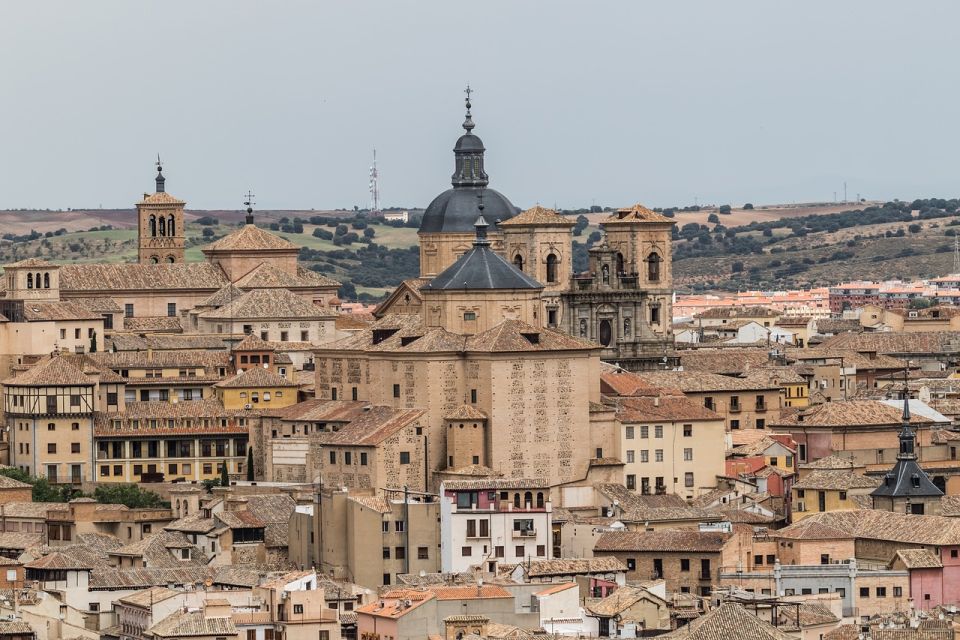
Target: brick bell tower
(160, 225)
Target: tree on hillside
(714, 218)
(748, 206)
(208, 232)
(725, 209)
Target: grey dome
(455, 210)
(469, 142)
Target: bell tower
(160, 225)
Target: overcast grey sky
(618, 102)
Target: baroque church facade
(623, 302)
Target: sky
(612, 103)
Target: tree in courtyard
(224, 476)
(250, 464)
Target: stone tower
(624, 301)
(160, 226)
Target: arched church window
(619, 263)
(46, 281)
(163, 226)
(518, 262)
(528, 499)
(171, 226)
(29, 281)
(605, 274)
(36, 280)
(606, 333)
(171, 259)
(516, 501)
(551, 268)
(153, 226)
(626, 327)
(583, 327)
(540, 500)
(653, 268)
(154, 260)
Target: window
(631, 564)
(644, 455)
(363, 458)
(630, 455)
(473, 396)
(52, 447)
(128, 310)
(404, 457)
(347, 458)
(688, 454)
(761, 423)
(111, 397)
(843, 495)
(400, 553)
(864, 592)
(644, 431)
(658, 455)
(333, 457)
(304, 336)
(104, 470)
(385, 526)
(519, 551)
(881, 592)
(734, 424)
(386, 553)
(74, 447)
(687, 430)
(396, 391)
(386, 578)
(688, 479)
(629, 433)
(498, 552)
(654, 315)
(757, 559)
(773, 461)
(631, 481)
(298, 608)
(653, 268)
(466, 551)
(898, 592)
(93, 607)
(658, 431)
(171, 309)
(398, 526)
(423, 553)
(541, 550)
(469, 316)
(51, 426)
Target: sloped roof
(645, 409)
(372, 426)
(268, 303)
(129, 276)
(186, 624)
(255, 378)
(836, 480)
(250, 237)
(918, 559)
(514, 335)
(875, 524)
(465, 412)
(58, 561)
(681, 540)
(636, 213)
(51, 371)
(160, 197)
(850, 413)
(225, 295)
(480, 268)
(34, 311)
(571, 566)
(253, 342)
(728, 621)
(702, 381)
(537, 216)
(621, 600)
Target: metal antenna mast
(374, 186)
(956, 255)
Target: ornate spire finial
(468, 121)
(906, 397)
(160, 178)
(248, 202)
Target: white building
(486, 522)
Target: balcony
(761, 407)
(705, 575)
(734, 408)
(531, 533)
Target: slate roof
(136, 277)
(726, 622)
(480, 268)
(268, 303)
(675, 540)
(251, 238)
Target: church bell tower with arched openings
(160, 225)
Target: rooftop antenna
(374, 186)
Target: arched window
(46, 280)
(154, 259)
(583, 327)
(626, 327)
(171, 259)
(518, 262)
(539, 499)
(653, 268)
(516, 501)
(619, 263)
(29, 281)
(153, 226)
(36, 280)
(528, 499)
(171, 226)
(551, 268)
(163, 226)
(605, 274)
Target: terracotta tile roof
(895, 342)
(195, 410)
(872, 524)
(950, 506)
(58, 561)
(128, 277)
(10, 483)
(250, 238)
(352, 321)
(557, 588)
(700, 381)
(161, 197)
(225, 295)
(160, 359)
(472, 470)
(30, 509)
(837, 460)
(101, 304)
(10, 628)
(319, 410)
(240, 520)
(371, 427)
(110, 578)
(637, 507)
(377, 503)
(30, 262)
(272, 508)
(723, 361)
(727, 621)
(740, 311)
(844, 632)
(392, 604)
(253, 342)
(572, 566)
(194, 623)
(496, 483)
(268, 303)
(836, 480)
(54, 311)
(811, 614)
(676, 540)
(615, 381)
(51, 371)
(851, 413)
(636, 213)
(479, 592)
(828, 326)
(465, 412)
(155, 550)
(193, 523)
(153, 323)
(621, 600)
(255, 378)
(267, 276)
(742, 516)
(779, 376)
(149, 597)
(511, 335)
(758, 447)
(918, 559)
(906, 633)
(672, 408)
(538, 216)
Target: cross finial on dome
(248, 202)
(906, 397)
(160, 178)
(468, 121)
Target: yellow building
(830, 490)
(186, 441)
(256, 388)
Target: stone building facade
(160, 226)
